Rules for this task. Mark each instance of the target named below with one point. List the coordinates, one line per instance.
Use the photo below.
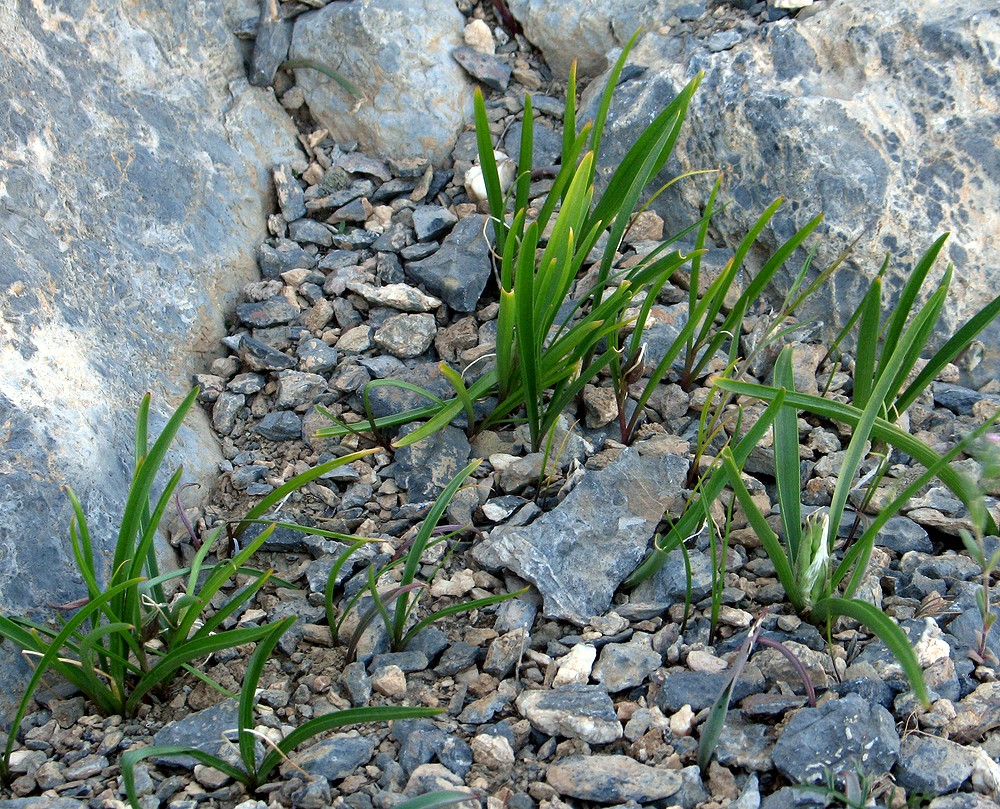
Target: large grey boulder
(134, 193)
(415, 97)
(588, 30)
(883, 115)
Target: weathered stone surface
(626, 665)
(137, 166)
(416, 98)
(579, 553)
(879, 114)
(425, 468)
(586, 30)
(611, 779)
(203, 730)
(932, 765)
(575, 711)
(848, 732)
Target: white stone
(389, 681)
(475, 185)
(575, 667)
(478, 35)
(493, 752)
(682, 722)
(459, 584)
(706, 662)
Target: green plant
(548, 345)
(127, 640)
(711, 730)
(710, 323)
(250, 771)
(818, 586)
(395, 605)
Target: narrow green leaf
(130, 758)
(457, 609)
(786, 459)
(296, 483)
(908, 296)
(768, 539)
(951, 349)
(438, 800)
(881, 429)
(248, 695)
(867, 351)
(332, 721)
(710, 485)
(887, 631)
(52, 651)
(430, 522)
(326, 70)
(525, 157)
(192, 650)
(491, 175)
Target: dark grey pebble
(283, 425)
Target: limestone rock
(579, 553)
(612, 779)
(416, 98)
(878, 114)
(586, 30)
(137, 180)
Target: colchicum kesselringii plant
(549, 346)
(819, 583)
(128, 640)
(395, 604)
(252, 771)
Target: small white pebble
(575, 667)
(389, 681)
(705, 662)
(730, 616)
(682, 722)
(493, 752)
(477, 35)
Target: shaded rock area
(136, 182)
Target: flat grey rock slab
(205, 730)
(583, 712)
(458, 271)
(579, 553)
(933, 765)
(611, 779)
(337, 757)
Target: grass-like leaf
(887, 631)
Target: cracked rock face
(120, 155)
(578, 554)
(879, 115)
